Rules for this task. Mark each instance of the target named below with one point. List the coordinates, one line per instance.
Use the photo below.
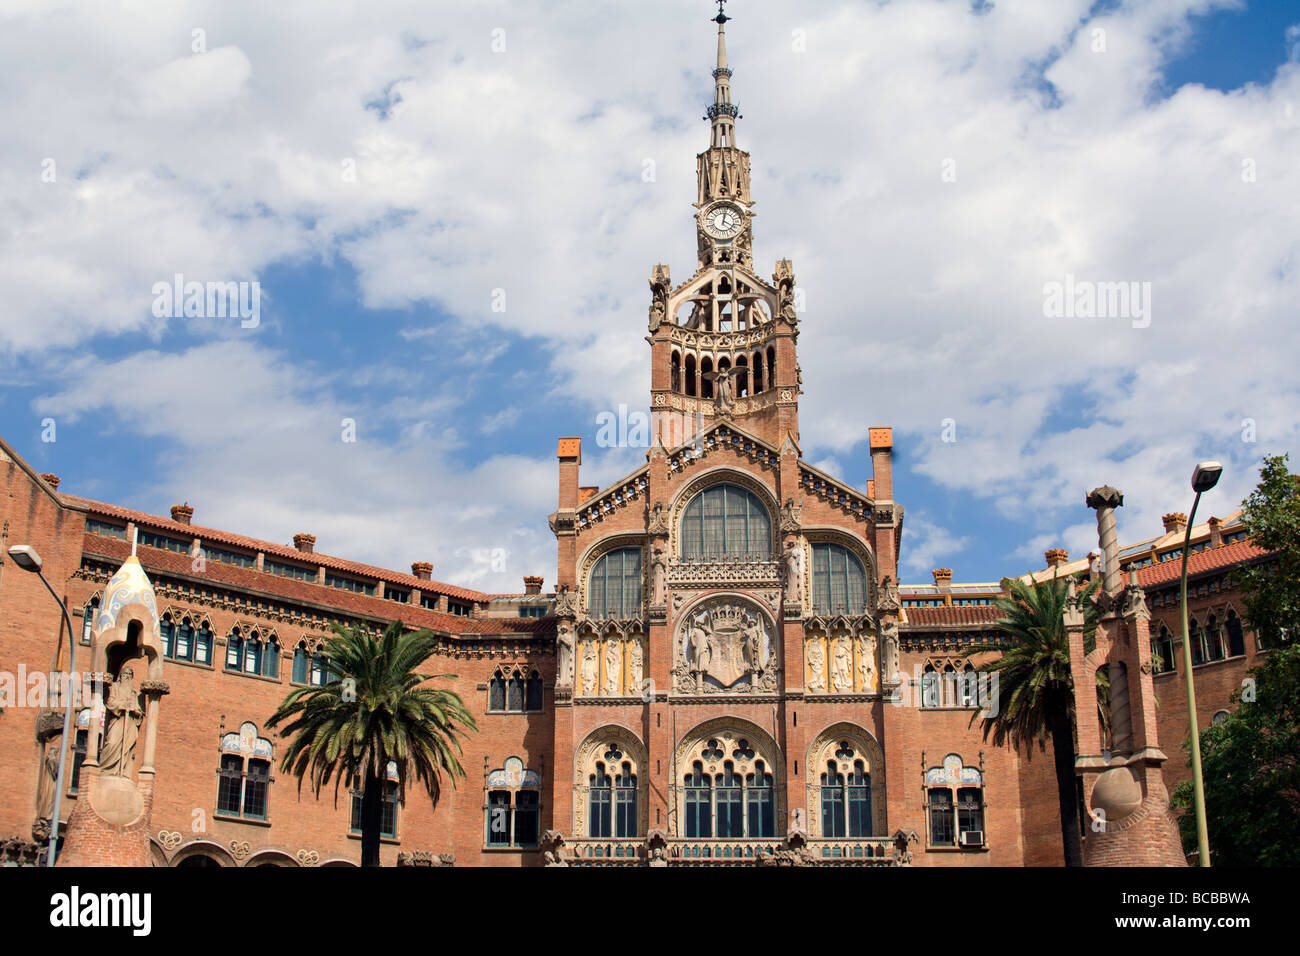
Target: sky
(450, 211)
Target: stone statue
(793, 572)
(590, 669)
(867, 663)
(754, 645)
(122, 728)
(48, 782)
(613, 658)
(788, 311)
(722, 389)
(564, 642)
(635, 665)
(656, 314)
(842, 668)
(889, 661)
(816, 666)
(658, 579)
(699, 639)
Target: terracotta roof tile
(1210, 559)
(289, 590)
(272, 549)
(937, 616)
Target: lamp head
(25, 557)
(1206, 476)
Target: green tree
(1270, 589)
(373, 711)
(1035, 688)
(1251, 767)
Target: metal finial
(721, 18)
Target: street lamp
(1204, 477)
(25, 557)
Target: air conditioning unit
(972, 838)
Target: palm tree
(1034, 686)
(371, 712)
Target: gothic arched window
(600, 799)
(758, 372)
(497, 692)
(735, 797)
(699, 803)
(1214, 639)
(614, 588)
(846, 801)
(1236, 638)
(839, 583)
(690, 375)
(930, 687)
(533, 692)
(1197, 639)
(676, 367)
(203, 644)
(706, 377)
(1162, 651)
(726, 521)
(301, 659)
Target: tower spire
(722, 113)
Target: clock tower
(723, 342)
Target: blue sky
(477, 287)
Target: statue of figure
(656, 313)
(889, 660)
(722, 388)
(699, 641)
(123, 725)
(793, 572)
(635, 665)
(816, 666)
(48, 782)
(842, 668)
(658, 579)
(754, 644)
(564, 669)
(867, 663)
(613, 658)
(590, 668)
(788, 311)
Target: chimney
(422, 570)
(881, 440)
(1057, 557)
(586, 491)
(943, 578)
(532, 584)
(1216, 533)
(569, 453)
(182, 513)
(304, 542)
(1175, 522)
(1094, 566)
(51, 480)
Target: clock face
(724, 221)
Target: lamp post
(1204, 477)
(25, 557)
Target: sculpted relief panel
(841, 659)
(610, 664)
(725, 646)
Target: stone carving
(613, 660)
(122, 728)
(656, 848)
(239, 849)
(46, 786)
(888, 598)
(169, 839)
(658, 523)
(553, 849)
(656, 314)
(564, 648)
(903, 839)
(793, 572)
(658, 579)
(725, 647)
(590, 668)
(308, 857)
(635, 665)
(867, 663)
(791, 515)
(889, 655)
(689, 573)
(566, 602)
(842, 667)
(816, 665)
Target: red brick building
(727, 658)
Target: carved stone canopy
(1105, 497)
